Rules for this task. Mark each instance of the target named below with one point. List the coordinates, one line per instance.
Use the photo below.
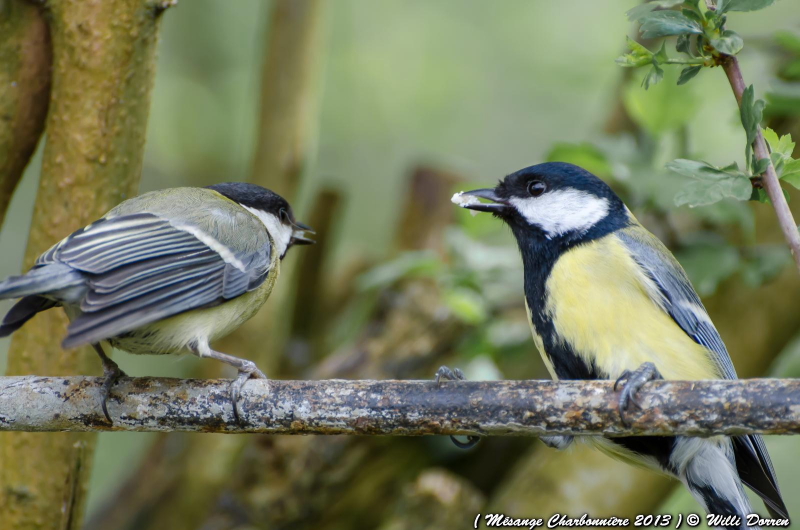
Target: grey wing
(679, 297)
(684, 306)
(140, 268)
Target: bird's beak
(299, 234)
(498, 204)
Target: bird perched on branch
(607, 300)
(169, 271)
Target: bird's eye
(536, 188)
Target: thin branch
(770, 179)
(515, 408)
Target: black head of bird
(554, 203)
(273, 210)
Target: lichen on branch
(403, 408)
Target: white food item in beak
(464, 201)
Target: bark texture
(404, 408)
(103, 68)
(25, 60)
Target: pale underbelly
(174, 335)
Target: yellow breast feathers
(611, 315)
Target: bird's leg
(246, 368)
(111, 372)
(633, 382)
(456, 375)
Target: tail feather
(755, 469)
(23, 311)
(41, 280)
(708, 468)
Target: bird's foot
(111, 374)
(248, 370)
(449, 375)
(456, 375)
(632, 382)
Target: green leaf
(760, 166)
(729, 43)
(791, 173)
(638, 56)
(783, 145)
(711, 184)
(751, 112)
(643, 9)
(742, 5)
(661, 55)
(763, 197)
(693, 15)
(684, 44)
(667, 23)
(688, 73)
(771, 137)
(653, 77)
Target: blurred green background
(474, 87)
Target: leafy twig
(769, 178)
(705, 41)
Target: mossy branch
(407, 408)
(103, 66)
(25, 60)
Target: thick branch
(25, 59)
(518, 408)
(770, 179)
(102, 71)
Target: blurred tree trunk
(313, 311)
(25, 61)
(103, 70)
(288, 95)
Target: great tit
(607, 300)
(169, 271)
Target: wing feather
(683, 304)
(140, 269)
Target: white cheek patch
(561, 211)
(281, 234)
